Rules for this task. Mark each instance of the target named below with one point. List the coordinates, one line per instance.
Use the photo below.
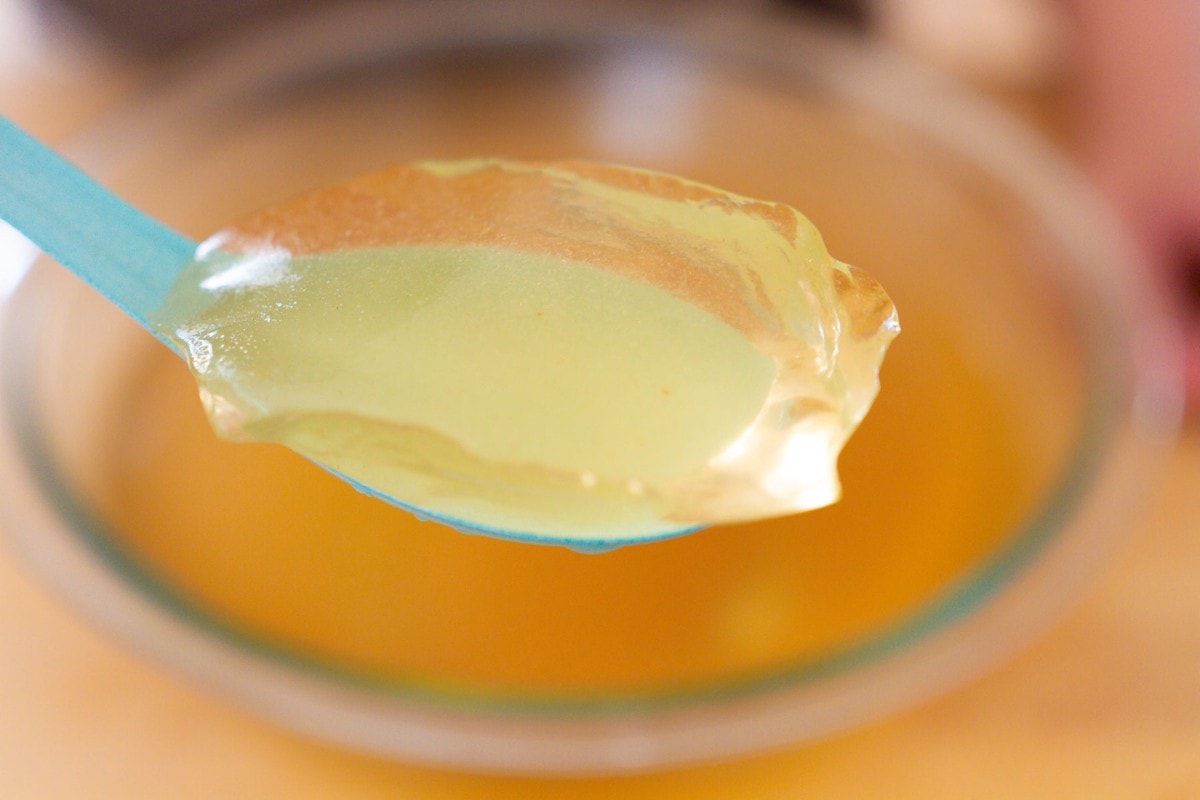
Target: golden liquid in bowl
(274, 547)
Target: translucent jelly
(569, 352)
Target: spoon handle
(126, 255)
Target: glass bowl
(1021, 410)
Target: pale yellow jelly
(571, 352)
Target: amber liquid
(273, 548)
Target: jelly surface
(572, 352)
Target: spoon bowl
(568, 353)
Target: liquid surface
(581, 353)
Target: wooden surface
(1106, 705)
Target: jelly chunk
(567, 352)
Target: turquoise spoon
(129, 257)
(133, 259)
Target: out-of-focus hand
(1140, 65)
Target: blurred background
(1104, 706)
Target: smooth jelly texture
(576, 352)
